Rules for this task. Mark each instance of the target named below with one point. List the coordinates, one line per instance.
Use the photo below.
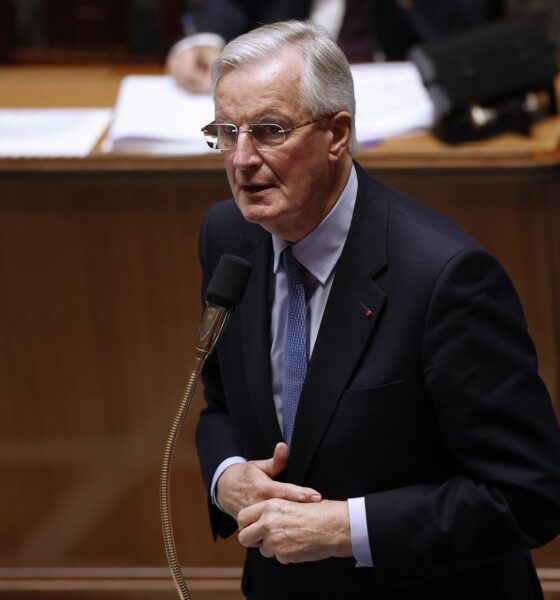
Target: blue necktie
(297, 343)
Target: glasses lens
(220, 136)
(223, 136)
(267, 135)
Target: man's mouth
(256, 188)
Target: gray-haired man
(422, 446)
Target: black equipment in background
(498, 77)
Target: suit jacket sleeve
(495, 416)
(227, 18)
(230, 18)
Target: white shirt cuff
(359, 532)
(233, 460)
(199, 39)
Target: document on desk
(59, 132)
(154, 115)
(390, 100)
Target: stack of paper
(154, 115)
(57, 132)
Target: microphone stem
(211, 326)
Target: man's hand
(190, 67)
(245, 484)
(293, 532)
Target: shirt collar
(320, 249)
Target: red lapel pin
(367, 311)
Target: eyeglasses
(265, 136)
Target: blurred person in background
(366, 30)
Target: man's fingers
(281, 453)
(249, 526)
(199, 85)
(203, 58)
(294, 493)
(195, 80)
(278, 463)
(191, 69)
(250, 537)
(279, 459)
(242, 485)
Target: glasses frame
(249, 132)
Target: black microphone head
(228, 283)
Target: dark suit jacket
(398, 25)
(432, 409)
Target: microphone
(225, 291)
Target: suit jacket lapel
(255, 323)
(346, 326)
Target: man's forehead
(286, 64)
(267, 88)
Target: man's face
(287, 190)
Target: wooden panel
(94, 25)
(99, 307)
(87, 32)
(117, 584)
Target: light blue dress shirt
(318, 252)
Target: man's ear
(340, 127)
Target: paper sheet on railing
(154, 115)
(52, 132)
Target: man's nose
(245, 153)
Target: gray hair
(327, 85)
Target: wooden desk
(100, 301)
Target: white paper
(154, 115)
(57, 132)
(390, 100)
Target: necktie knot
(294, 269)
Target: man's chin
(253, 210)
(256, 214)
(268, 217)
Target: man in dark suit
(392, 26)
(414, 453)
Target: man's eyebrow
(270, 117)
(266, 117)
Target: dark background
(91, 30)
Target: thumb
(279, 461)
